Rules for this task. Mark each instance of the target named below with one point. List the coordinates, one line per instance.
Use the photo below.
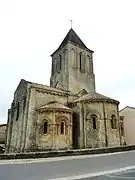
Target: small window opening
(45, 127)
(60, 61)
(62, 128)
(17, 115)
(113, 122)
(94, 122)
(80, 61)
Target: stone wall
(22, 125)
(58, 74)
(39, 96)
(113, 134)
(3, 128)
(65, 153)
(80, 78)
(70, 76)
(53, 139)
(16, 118)
(129, 123)
(103, 135)
(23, 130)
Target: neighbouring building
(128, 116)
(67, 114)
(3, 128)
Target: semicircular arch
(45, 118)
(62, 118)
(91, 112)
(113, 112)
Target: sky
(30, 30)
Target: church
(68, 114)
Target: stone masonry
(67, 114)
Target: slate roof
(94, 97)
(54, 105)
(74, 38)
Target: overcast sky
(30, 30)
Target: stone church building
(68, 114)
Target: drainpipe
(106, 138)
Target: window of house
(62, 128)
(113, 122)
(17, 115)
(45, 127)
(94, 121)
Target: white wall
(129, 124)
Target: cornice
(51, 92)
(99, 101)
(54, 110)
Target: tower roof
(74, 38)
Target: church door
(75, 131)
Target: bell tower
(72, 65)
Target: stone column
(119, 129)
(85, 126)
(81, 120)
(30, 134)
(105, 125)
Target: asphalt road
(117, 176)
(70, 167)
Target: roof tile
(93, 96)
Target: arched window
(64, 59)
(65, 55)
(113, 122)
(73, 57)
(60, 62)
(17, 114)
(80, 60)
(45, 127)
(62, 127)
(90, 64)
(94, 121)
(54, 66)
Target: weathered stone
(68, 113)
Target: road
(80, 167)
(117, 176)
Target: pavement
(85, 167)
